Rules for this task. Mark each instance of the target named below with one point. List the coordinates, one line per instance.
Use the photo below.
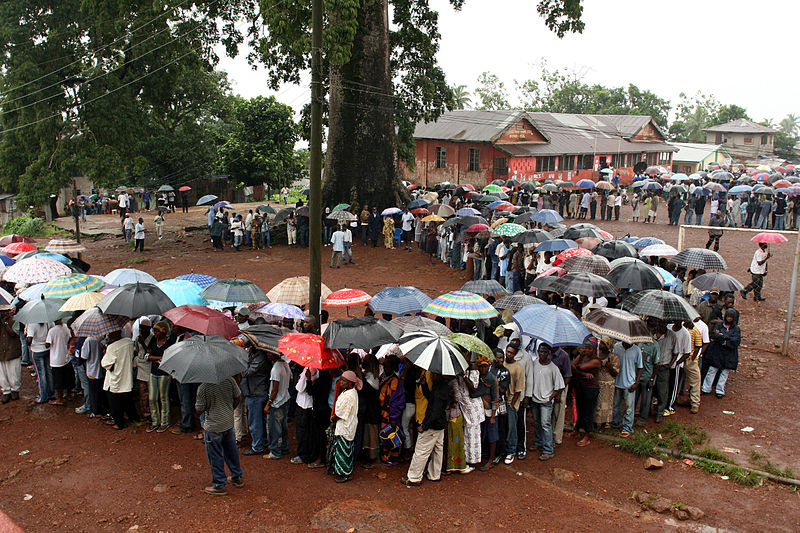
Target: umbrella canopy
(124, 276)
(135, 300)
(433, 218)
(515, 302)
(207, 199)
(485, 288)
(281, 310)
(658, 250)
(224, 204)
(461, 305)
(294, 291)
(668, 278)
(659, 304)
(94, 323)
(532, 236)
(644, 242)
(182, 292)
(65, 246)
(342, 216)
(604, 185)
(739, 189)
(770, 238)
(617, 324)
(419, 202)
(556, 245)
(35, 270)
(391, 211)
(571, 252)
(82, 301)
(70, 285)
(582, 230)
(546, 216)
(41, 311)
(508, 230)
(203, 320)
(166, 188)
(234, 290)
(309, 350)
(264, 208)
(584, 283)
(8, 239)
(204, 359)
(418, 323)
(201, 280)
(433, 352)
(717, 280)
(34, 292)
(700, 258)
(635, 275)
(184, 188)
(265, 336)
(465, 211)
(585, 184)
(282, 215)
(444, 211)
(6, 261)
(16, 248)
(339, 207)
(615, 249)
(399, 300)
(346, 298)
(363, 332)
(552, 325)
(471, 343)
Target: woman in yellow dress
(388, 232)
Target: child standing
(159, 220)
(139, 236)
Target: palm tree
(790, 124)
(768, 122)
(461, 97)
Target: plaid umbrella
(595, 264)
(294, 291)
(16, 248)
(717, 280)
(265, 337)
(699, 258)
(399, 300)
(346, 298)
(309, 351)
(82, 301)
(204, 359)
(635, 275)
(471, 343)
(70, 285)
(135, 300)
(418, 323)
(532, 236)
(201, 280)
(461, 305)
(659, 304)
(94, 323)
(546, 216)
(182, 292)
(658, 250)
(203, 320)
(124, 276)
(556, 245)
(615, 249)
(234, 290)
(485, 288)
(364, 332)
(35, 270)
(584, 283)
(65, 246)
(571, 252)
(617, 324)
(281, 310)
(552, 325)
(433, 352)
(508, 230)
(515, 302)
(644, 242)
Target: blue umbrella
(305, 191)
(182, 292)
(207, 199)
(556, 245)
(419, 202)
(639, 178)
(680, 177)
(7, 261)
(58, 257)
(223, 204)
(466, 211)
(669, 279)
(629, 239)
(201, 280)
(644, 242)
(585, 184)
(34, 292)
(652, 186)
(546, 216)
(282, 310)
(739, 189)
(495, 204)
(702, 191)
(551, 324)
(399, 300)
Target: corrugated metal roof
(6, 196)
(741, 125)
(695, 152)
(463, 125)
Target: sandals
(625, 434)
(408, 483)
(546, 456)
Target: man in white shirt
(683, 349)
(138, 236)
(347, 254)
(408, 229)
(127, 227)
(237, 227)
(617, 206)
(118, 362)
(337, 240)
(758, 270)
(57, 341)
(122, 203)
(546, 390)
(36, 335)
(277, 407)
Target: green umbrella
(340, 207)
(471, 343)
(492, 188)
(508, 230)
(264, 208)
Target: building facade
(743, 139)
(692, 157)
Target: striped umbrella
(551, 324)
(508, 230)
(234, 290)
(432, 352)
(124, 276)
(410, 324)
(658, 250)
(617, 324)
(659, 304)
(485, 288)
(346, 298)
(294, 291)
(399, 300)
(583, 283)
(201, 280)
(281, 310)
(698, 258)
(596, 264)
(182, 292)
(65, 246)
(461, 305)
(82, 301)
(94, 323)
(16, 248)
(571, 252)
(471, 343)
(309, 350)
(515, 302)
(71, 285)
(35, 270)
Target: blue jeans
(763, 222)
(517, 281)
(188, 395)
(348, 253)
(265, 237)
(221, 450)
(44, 376)
(257, 421)
(543, 416)
(687, 218)
(629, 398)
(478, 264)
(80, 372)
(278, 423)
(495, 266)
(26, 350)
(511, 436)
(779, 222)
(237, 240)
(699, 219)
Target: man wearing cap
(710, 309)
(242, 315)
(758, 270)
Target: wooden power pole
(315, 194)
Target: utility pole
(315, 194)
(78, 210)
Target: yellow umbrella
(498, 222)
(430, 196)
(433, 218)
(82, 301)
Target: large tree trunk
(361, 159)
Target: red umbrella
(780, 184)
(470, 194)
(346, 298)
(477, 228)
(505, 189)
(309, 350)
(769, 238)
(552, 271)
(504, 206)
(570, 252)
(184, 188)
(16, 248)
(203, 320)
(606, 235)
(8, 239)
(420, 211)
(412, 186)
(782, 170)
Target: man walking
(217, 401)
(758, 270)
(337, 240)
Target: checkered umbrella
(294, 291)
(433, 352)
(700, 258)
(71, 285)
(508, 230)
(94, 323)
(551, 324)
(342, 216)
(234, 290)
(617, 324)
(65, 246)
(515, 302)
(659, 304)
(570, 252)
(644, 242)
(399, 300)
(201, 280)
(615, 249)
(717, 280)
(584, 283)
(410, 324)
(635, 275)
(35, 270)
(485, 288)
(461, 305)
(595, 264)
(658, 250)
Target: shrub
(26, 224)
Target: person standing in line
(374, 226)
(57, 343)
(407, 221)
(139, 236)
(430, 440)
(617, 206)
(547, 388)
(118, 381)
(277, 407)
(561, 359)
(723, 353)
(248, 227)
(626, 383)
(364, 222)
(347, 254)
(516, 389)
(345, 417)
(237, 228)
(254, 388)
(217, 402)
(758, 271)
(653, 209)
(585, 202)
(10, 358)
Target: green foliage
(784, 145)
(644, 443)
(694, 114)
(790, 125)
(735, 473)
(491, 93)
(762, 463)
(712, 453)
(461, 97)
(26, 224)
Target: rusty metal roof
(468, 126)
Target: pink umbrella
(552, 271)
(185, 188)
(769, 238)
(477, 228)
(346, 298)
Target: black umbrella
(282, 215)
(451, 222)
(265, 336)
(527, 186)
(203, 359)
(700, 258)
(532, 236)
(584, 283)
(578, 231)
(498, 182)
(659, 304)
(615, 249)
(635, 275)
(135, 300)
(717, 280)
(522, 209)
(512, 182)
(365, 333)
(469, 220)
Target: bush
(26, 224)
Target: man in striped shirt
(217, 401)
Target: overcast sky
(742, 52)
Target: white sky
(740, 51)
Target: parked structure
(743, 139)
(692, 157)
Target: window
(634, 158)
(652, 158)
(585, 162)
(567, 162)
(545, 163)
(765, 139)
(664, 158)
(618, 160)
(718, 138)
(474, 159)
(441, 157)
(748, 140)
(500, 166)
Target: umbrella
(546, 216)
(234, 290)
(419, 323)
(135, 300)
(391, 211)
(615, 249)
(207, 199)
(65, 246)
(582, 230)
(700, 258)
(470, 220)
(485, 288)
(444, 211)
(590, 243)
(94, 323)
(16, 248)
(222, 205)
(82, 301)
(264, 208)
(556, 245)
(617, 324)
(700, 191)
(604, 185)
(283, 214)
(644, 242)
(265, 336)
(464, 211)
(204, 359)
(124, 276)
(9, 239)
(571, 252)
(550, 187)
(454, 222)
(461, 305)
(659, 304)
(432, 352)
(182, 292)
(203, 320)
(305, 191)
(499, 222)
(419, 202)
(585, 184)
(294, 291)
(420, 211)
(652, 186)
(635, 275)
(658, 250)
(41, 311)
(471, 343)
(668, 278)
(70, 285)
(583, 283)
(515, 302)
(201, 280)
(739, 189)
(532, 236)
(41, 253)
(717, 280)
(489, 198)
(433, 218)
(281, 310)
(399, 300)
(492, 188)
(34, 292)
(508, 230)
(346, 298)
(714, 186)
(35, 270)
(339, 207)
(770, 238)
(166, 188)
(309, 350)
(342, 216)
(184, 188)
(6, 261)
(552, 325)
(365, 333)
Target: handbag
(391, 437)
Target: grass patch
(715, 455)
(137, 260)
(761, 462)
(735, 473)
(644, 444)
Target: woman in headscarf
(472, 411)
(392, 399)
(388, 232)
(586, 368)
(609, 369)
(345, 415)
(723, 353)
